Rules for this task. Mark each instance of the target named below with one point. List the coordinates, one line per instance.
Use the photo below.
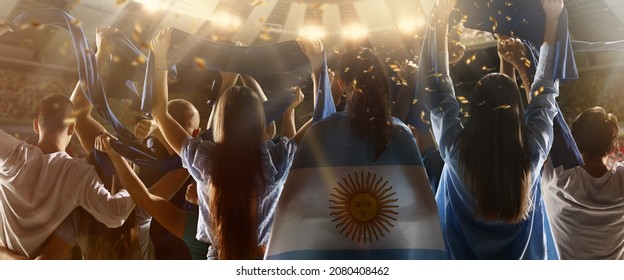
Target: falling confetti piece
(76, 22)
(462, 99)
(503, 107)
(370, 69)
(471, 59)
(485, 68)
(540, 90)
(116, 59)
(336, 50)
(508, 18)
(36, 24)
(422, 118)
(482, 103)
(347, 69)
(495, 24)
(141, 59)
(120, 2)
(200, 63)
(527, 62)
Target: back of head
(184, 113)
(493, 151)
(54, 113)
(595, 132)
(365, 79)
(239, 130)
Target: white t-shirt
(37, 192)
(586, 213)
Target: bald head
(185, 114)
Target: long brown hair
(105, 243)
(239, 130)
(365, 76)
(493, 151)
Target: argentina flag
(338, 203)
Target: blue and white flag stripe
(340, 203)
(303, 226)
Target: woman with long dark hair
(240, 175)
(489, 196)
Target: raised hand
(104, 39)
(444, 8)
(311, 48)
(144, 128)
(102, 143)
(456, 52)
(160, 47)
(298, 97)
(407, 70)
(552, 9)
(513, 51)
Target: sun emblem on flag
(363, 207)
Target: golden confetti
(414, 101)
(482, 103)
(36, 24)
(462, 99)
(485, 68)
(136, 33)
(495, 24)
(76, 22)
(504, 107)
(527, 62)
(422, 118)
(370, 69)
(471, 59)
(116, 59)
(120, 2)
(508, 4)
(200, 63)
(140, 59)
(336, 50)
(347, 69)
(508, 18)
(538, 91)
(265, 36)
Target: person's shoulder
(618, 168)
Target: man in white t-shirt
(41, 185)
(586, 204)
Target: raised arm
(171, 130)
(289, 129)
(87, 128)
(513, 55)
(155, 201)
(445, 121)
(543, 107)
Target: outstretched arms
(87, 128)
(172, 131)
